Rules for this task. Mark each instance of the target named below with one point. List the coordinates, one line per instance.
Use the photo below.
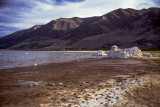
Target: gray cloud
(2, 3)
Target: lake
(12, 59)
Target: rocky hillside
(122, 27)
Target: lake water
(12, 59)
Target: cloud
(157, 3)
(22, 14)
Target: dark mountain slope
(51, 31)
(142, 32)
(123, 27)
(17, 37)
(107, 23)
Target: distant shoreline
(57, 50)
(145, 51)
(52, 50)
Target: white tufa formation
(133, 52)
(99, 53)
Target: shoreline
(143, 51)
(76, 83)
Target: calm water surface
(12, 59)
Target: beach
(82, 83)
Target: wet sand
(82, 83)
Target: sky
(22, 14)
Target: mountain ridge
(122, 27)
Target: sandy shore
(82, 83)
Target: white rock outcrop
(99, 53)
(133, 52)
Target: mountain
(122, 27)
